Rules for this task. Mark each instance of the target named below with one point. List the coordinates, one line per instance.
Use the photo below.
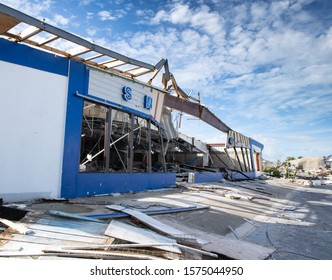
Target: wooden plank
(7, 23)
(29, 32)
(231, 248)
(149, 221)
(100, 254)
(122, 246)
(134, 234)
(157, 225)
(77, 253)
(16, 226)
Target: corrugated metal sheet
(50, 231)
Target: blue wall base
(239, 176)
(202, 177)
(90, 184)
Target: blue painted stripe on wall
(26, 56)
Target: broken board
(231, 248)
(157, 225)
(134, 234)
(19, 227)
(148, 212)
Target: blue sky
(264, 67)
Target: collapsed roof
(19, 27)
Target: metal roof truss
(19, 27)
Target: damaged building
(83, 120)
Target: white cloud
(106, 15)
(258, 11)
(92, 31)
(201, 18)
(144, 13)
(89, 15)
(33, 8)
(299, 4)
(61, 20)
(85, 2)
(111, 15)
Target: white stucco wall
(33, 110)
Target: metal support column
(107, 143)
(162, 149)
(131, 144)
(149, 159)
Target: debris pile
(309, 171)
(122, 233)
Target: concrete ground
(294, 219)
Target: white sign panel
(126, 93)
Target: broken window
(157, 149)
(116, 141)
(92, 137)
(141, 142)
(119, 149)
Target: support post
(108, 128)
(162, 149)
(131, 145)
(149, 159)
